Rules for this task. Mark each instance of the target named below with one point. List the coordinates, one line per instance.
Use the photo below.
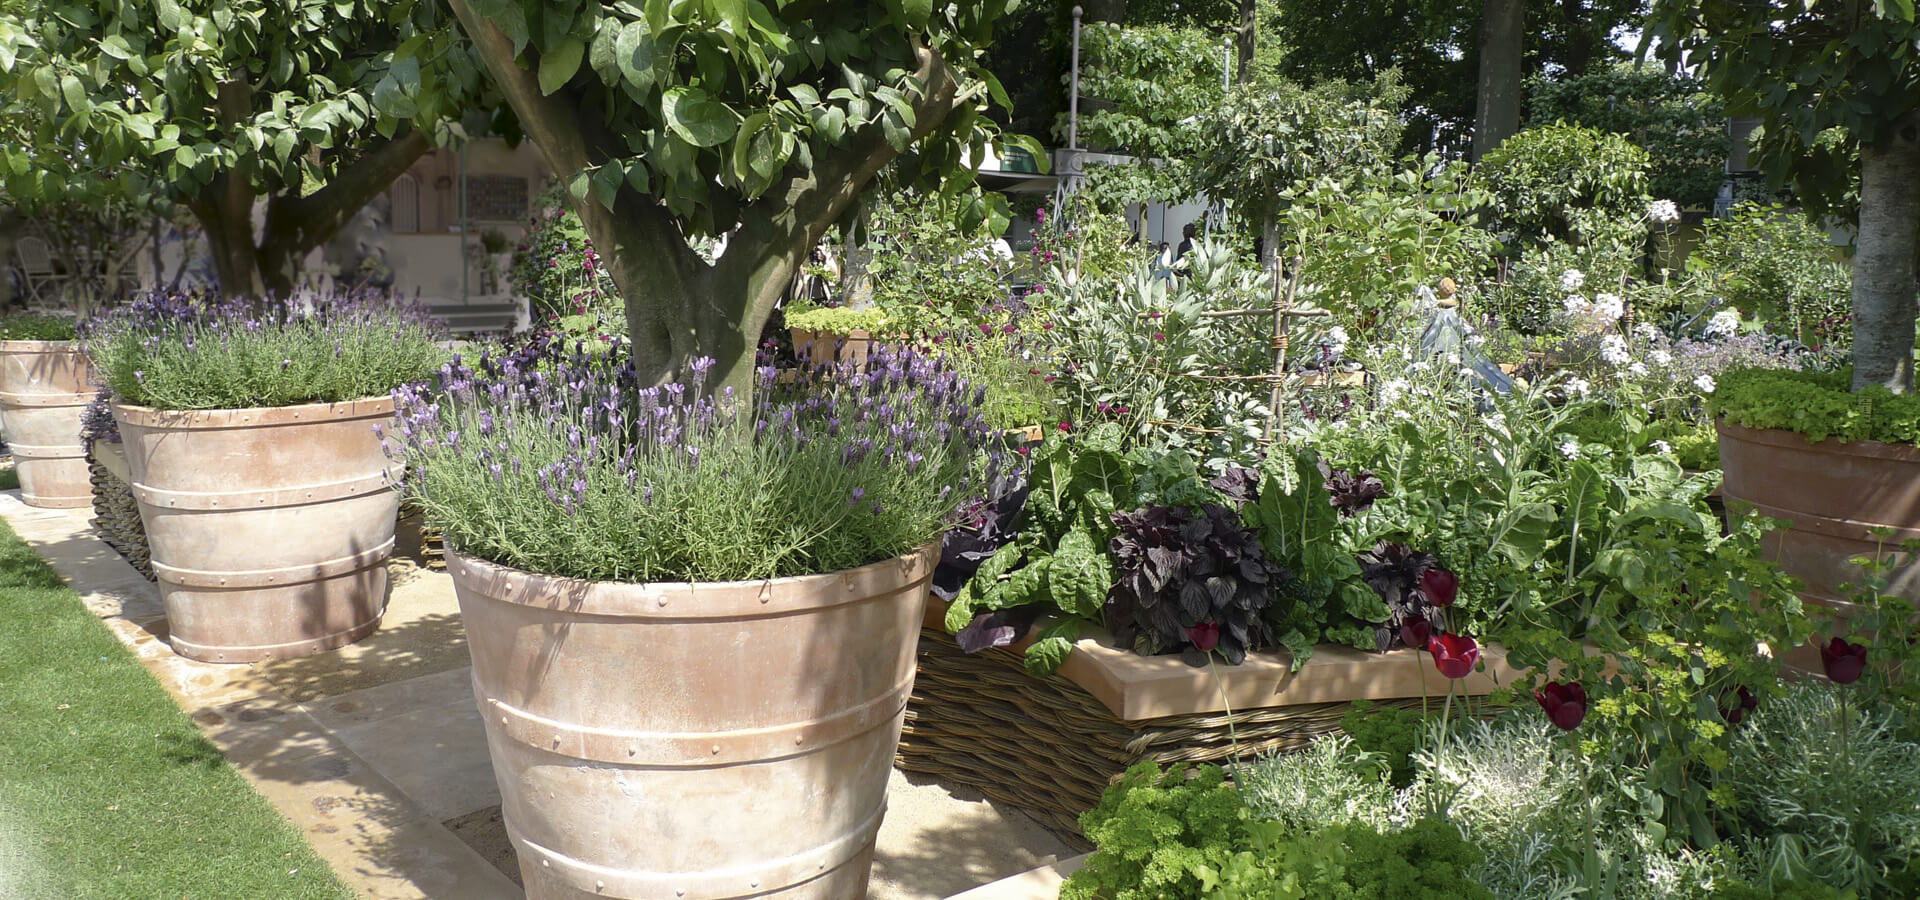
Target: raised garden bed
(1051, 746)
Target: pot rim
(1789, 439)
(28, 346)
(683, 600)
(250, 416)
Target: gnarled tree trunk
(680, 307)
(1884, 295)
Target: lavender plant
(569, 465)
(192, 351)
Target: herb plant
(35, 327)
(184, 351)
(1816, 404)
(570, 467)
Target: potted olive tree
(44, 387)
(251, 432)
(692, 614)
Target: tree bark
(678, 306)
(1502, 50)
(295, 225)
(1884, 296)
(1244, 36)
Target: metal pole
(464, 264)
(1073, 100)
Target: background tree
(1807, 69)
(218, 103)
(1681, 124)
(760, 121)
(1265, 137)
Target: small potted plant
(834, 333)
(251, 432)
(692, 616)
(44, 387)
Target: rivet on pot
(716, 749)
(547, 863)
(599, 885)
(633, 751)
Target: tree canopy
(316, 105)
(762, 121)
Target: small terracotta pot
(854, 346)
(45, 387)
(715, 740)
(1834, 494)
(269, 529)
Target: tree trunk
(1502, 49)
(1244, 36)
(1884, 294)
(679, 307)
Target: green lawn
(107, 790)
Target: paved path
(376, 751)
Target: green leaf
(633, 52)
(116, 46)
(697, 118)
(918, 12)
(1045, 655)
(558, 64)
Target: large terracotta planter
(44, 389)
(1834, 493)
(269, 529)
(693, 741)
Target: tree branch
(296, 225)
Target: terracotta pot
(1833, 493)
(854, 346)
(269, 529)
(694, 740)
(45, 386)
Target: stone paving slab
(377, 753)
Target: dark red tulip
(1204, 635)
(1736, 702)
(1416, 631)
(1845, 661)
(1566, 704)
(1439, 586)
(1453, 654)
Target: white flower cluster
(1392, 391)
(1663, 211)
(1572, 279)
(1570, 448)
(1704, 383)
(1609, 306)
(1335, 340)
(1578, 387)
(1613, 350)
(1724, 323)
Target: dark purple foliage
(986, 524)
(1181, 568)
(998, 628)
(1351, 492)
(1394, 571)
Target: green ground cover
(107, 789)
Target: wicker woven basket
(1050, 749)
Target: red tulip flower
(1416, 631)
(1454, 654)
(1205, 635)
(1566, 704)
(1844, 660)
(1736, 702)
(1439, 586)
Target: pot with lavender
(44, 386)
(692, 614)
(251, 435)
